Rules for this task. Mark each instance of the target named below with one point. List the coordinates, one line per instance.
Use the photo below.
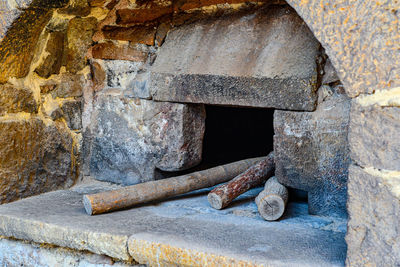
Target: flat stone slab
(265, 58)
(183, 231)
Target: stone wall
(362, 40)
(43, 73)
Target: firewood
(271, 202)
(257, 174)
(157, 190)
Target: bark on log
(271, 202)
(162, 189)
(257, 174)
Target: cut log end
(271, 202)
(88, 205)
(271, 207)
(215, 201)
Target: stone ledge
(184, 230)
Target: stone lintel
(234, 91)
(266, 58)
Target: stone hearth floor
(182, 231)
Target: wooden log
(257, 174)
(162, 189)
(271, 202)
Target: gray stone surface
(262, 59)
(35, 157)
(312, 153)
(374, 136)
(18, 253)
(124, 74)
(373, 237)
(237, 233)
(72, 113)
(131, 139)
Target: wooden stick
(162, 189)
(271, 202)
(257, 174)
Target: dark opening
(234, 134)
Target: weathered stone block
(142, 15)
(121, 73)
(72, 113)
(34, 158)
(373, 235)
(14, 99)
(128, 76)
(110, 50)
(52, 61)
(69, 85)
(141, 34)
(18, 46)
(261, 59)
(18, 253)
(312, 153)
(79, 38)
(131, 138)
(374, 136)
(98, 75)
(79, 8)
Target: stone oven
(150, 117)
(125, 92)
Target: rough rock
(10, 10)
(132, 138)
(374, 136)
(70, 85)
(50, 108)
(17, 253)
(129, 76)
(98, 75)
(72, 113)
(330, 75)
(142, 15)
(18, 46)
(110, 50)
(373, 236)
(140, 34)
(261, 59)
(34, 158)
(122, 73)
(312, 153)
(16, 99)
(79, 38)
(360, 38)
(79, 8)
(52, 61)
(193, 4)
